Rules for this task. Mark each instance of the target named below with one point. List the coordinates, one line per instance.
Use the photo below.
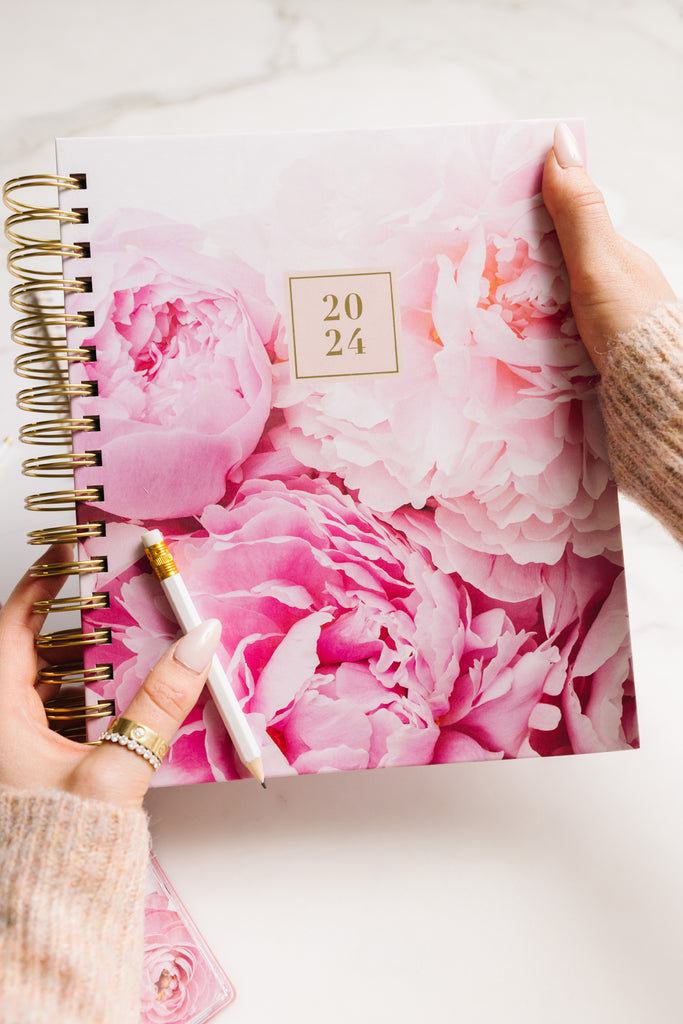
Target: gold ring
(139, 739)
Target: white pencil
(220, 689)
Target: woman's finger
(19, 624)
(171, 689)
(161, 705)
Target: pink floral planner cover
(340, 373)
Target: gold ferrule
(161, 560)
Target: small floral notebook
(182, 982)
(340, 373)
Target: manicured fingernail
(566, 147)
(196, 648)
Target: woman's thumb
(172, 688)
(614, 284)
(584, 229)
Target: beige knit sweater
(72, 876)
(641, 396)
(72, 872)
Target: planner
(182, 982)
(339, 372)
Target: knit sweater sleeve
(641, 396)
(72, 876)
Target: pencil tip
(256, 769)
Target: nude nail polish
(196, 648)
(566, 147)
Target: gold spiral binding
(37, 332)
(45, 364)
(24, 298)
(72, 638)
(68, 715)
(49, 217)
(54, 432)
(83, 565)
(71, 604)
(60, 465)
(29, 181)
(54, 397)
(54, 501)
(70, 534)
(73, 672)
(63, 709)
(21, 261)
(43, 329)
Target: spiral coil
(40, 295)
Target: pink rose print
(179, 984)
(183, 371)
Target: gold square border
(342, 273)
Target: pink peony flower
(494, 422)
(578, 606)
(585, 611)
(178, 980)
(348, 649)
(182, 369)
(408, 569)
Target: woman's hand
(614, 284)
(32, 756)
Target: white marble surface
(546, 891)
